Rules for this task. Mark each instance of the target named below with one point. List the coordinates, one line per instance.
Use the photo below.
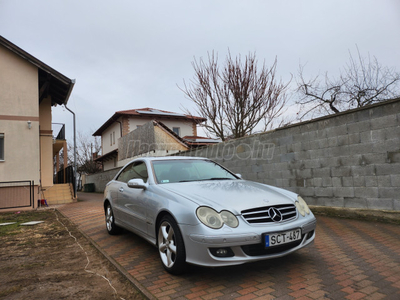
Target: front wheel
(171, 246)
(110, 221)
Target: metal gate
(16, 194)
(68, 178)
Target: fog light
(310, 234)
(222, 252)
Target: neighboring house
(147, 131)
(28, 90)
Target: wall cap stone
(339, 114)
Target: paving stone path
(350, 259)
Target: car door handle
(121, 189)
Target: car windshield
(171, 171)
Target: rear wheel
(110, 221)
(170, 246)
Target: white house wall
(109, 144)
(110, 164)
(18, 105)
(107, 137)
(186, 128)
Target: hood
(232, 195)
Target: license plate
(280, 238)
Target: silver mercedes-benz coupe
(196, 211)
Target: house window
(110, 139)
(113, 137)
(1, 146)
(177, 130)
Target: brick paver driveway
(349, 260)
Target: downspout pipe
(65, 105)
(74, 148)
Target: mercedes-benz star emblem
(275, 214)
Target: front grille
(260, 215)
(259, 249)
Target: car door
(131, 201)
(114, 188)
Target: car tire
(112, 229)
(171, 246)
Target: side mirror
(137, 184)
(239, 175)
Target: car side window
(134, 171)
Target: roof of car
(152, 158)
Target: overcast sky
(133, 54)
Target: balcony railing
(61, 132)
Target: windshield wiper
(214, 178)
(217, 178)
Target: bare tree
(235, 98)
(362, 81)
(87, 148)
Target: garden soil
(50, 261)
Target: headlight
(211, 218)
(302, 206)
(229, 219)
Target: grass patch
(19, 218)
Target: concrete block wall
(351, 159)
(101, 179)
(140, 140)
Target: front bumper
(243, 246)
